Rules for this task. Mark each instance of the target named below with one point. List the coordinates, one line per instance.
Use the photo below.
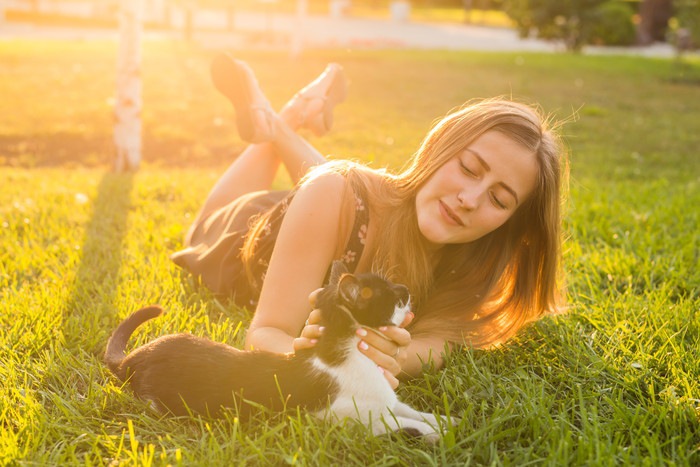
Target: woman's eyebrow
(511, 191)
(488, 169)
(480, 159)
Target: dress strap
(358, 235)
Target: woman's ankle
(290, 116)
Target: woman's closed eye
(497, 201)
(468, 171)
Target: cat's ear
(338, 268)
(349, 288)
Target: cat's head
(373, 300)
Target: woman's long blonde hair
(481, 292)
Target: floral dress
(215, 243)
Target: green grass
(614, 381)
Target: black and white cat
(182, 373)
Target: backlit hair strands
(480, 293)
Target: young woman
(471, 225)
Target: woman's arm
(304, 249)
(412, 354)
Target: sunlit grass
(614, 381)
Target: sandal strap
(306, 99)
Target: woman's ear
(349, 288)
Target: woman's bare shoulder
(324, 180)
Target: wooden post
(230, 17)
(127, 110)
(297, 45)
(467, 5)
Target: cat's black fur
(182, 373)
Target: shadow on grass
(92, 298)
(75, 149)
(684, 72)
(54, 149)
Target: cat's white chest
(363, 393)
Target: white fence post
(127, 109)
(297, 43)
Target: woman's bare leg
(256, 167)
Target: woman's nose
(469, 198)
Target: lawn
(616, 380)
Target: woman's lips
(450, 215)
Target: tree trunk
(127, 111)
(654, 16)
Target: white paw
(431, 438)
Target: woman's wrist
(269, 339)
(420, 353)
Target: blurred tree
(654, 16)
(566, 20)
(470, 5)
(685, 25)
(613, 24)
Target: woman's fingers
(309, 333)
(308, 338)
(407, 319)
(314, 317)
(387, 362)
(312, 331)
(313, 296)
(399, 335)
(393, 381)
(301, 343)
(388, 350)
(393, 339)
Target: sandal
(235, 80)
(334, 94)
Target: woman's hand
(311, 331)
(389, 353)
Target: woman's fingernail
(321, 328)
(383, 328)
(381, 370)
(363, 345)
(313, 341)
(362, 332)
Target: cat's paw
(429, 436)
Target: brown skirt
(214, 244)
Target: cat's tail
(116, 345)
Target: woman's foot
(235, 80)
(312, 107)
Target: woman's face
(476, 191)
